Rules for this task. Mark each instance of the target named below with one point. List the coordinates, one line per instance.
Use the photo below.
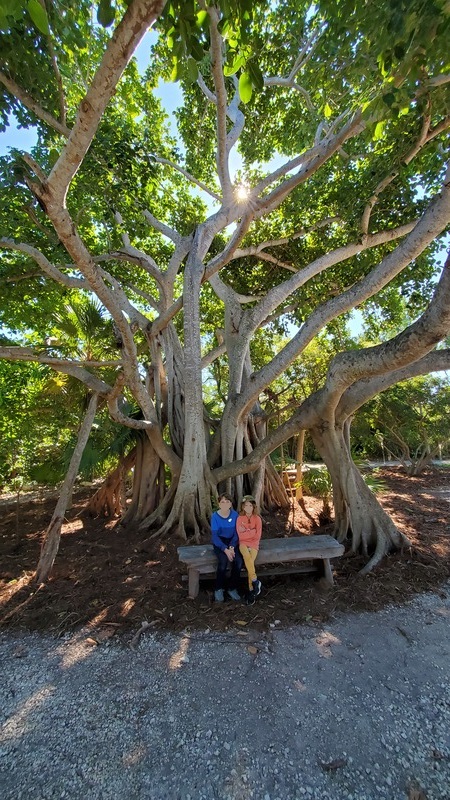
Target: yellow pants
(249, 554)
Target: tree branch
(171, 234)
(302, 59)
(73, 368)
(410, 345)
(151, 427)
(237, 117)
(432, 223)
(188, 175)
(208, 358)
(426, 135)
(48, 268)
(257, 250)
(437, 80)
(363, 390)
(138, 17)
(28, 101)
(291, 84)
(206, 91)
(279, 293)
(221, 104)
(322, 152)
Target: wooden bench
(201, 560)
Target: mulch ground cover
(105, 582)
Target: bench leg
(328, 571)
(194, 582)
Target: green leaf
(224, 27)
(177, 70)
(178, 48)
(389, 99)
(106, 13)
(256, 75)
(245, 87)
(10, 8)
(379, 129)
(196, 49)
(399, 51)
(185, 29)
(202, 18)
(192, 70)
(327, 111)
(231, 69)
(39, 16)
(53, 156)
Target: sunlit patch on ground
(105, 582)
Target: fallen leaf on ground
(252, 650)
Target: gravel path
(358, 709)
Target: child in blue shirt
(226, 547)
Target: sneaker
(257, 587)
(234, 594)
(218, 595)
(250, 599)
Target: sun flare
(242, 192)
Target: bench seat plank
(200, 559)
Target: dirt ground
(105, 581)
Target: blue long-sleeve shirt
(223, 530)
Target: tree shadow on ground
(103, 580)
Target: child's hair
(248, 499)
(227, 497)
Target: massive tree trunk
(148, 483)
(52, 537)
(110, 498)
(358, 514)
(191, 507)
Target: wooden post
(328, 571)
(194, 582)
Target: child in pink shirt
(249, 529)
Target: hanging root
(341, 529)
(159, 514)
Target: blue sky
(21, 138)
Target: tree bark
(191, 508)
(357, 512)
(148, 483)
(109, 500)
(53, 535)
